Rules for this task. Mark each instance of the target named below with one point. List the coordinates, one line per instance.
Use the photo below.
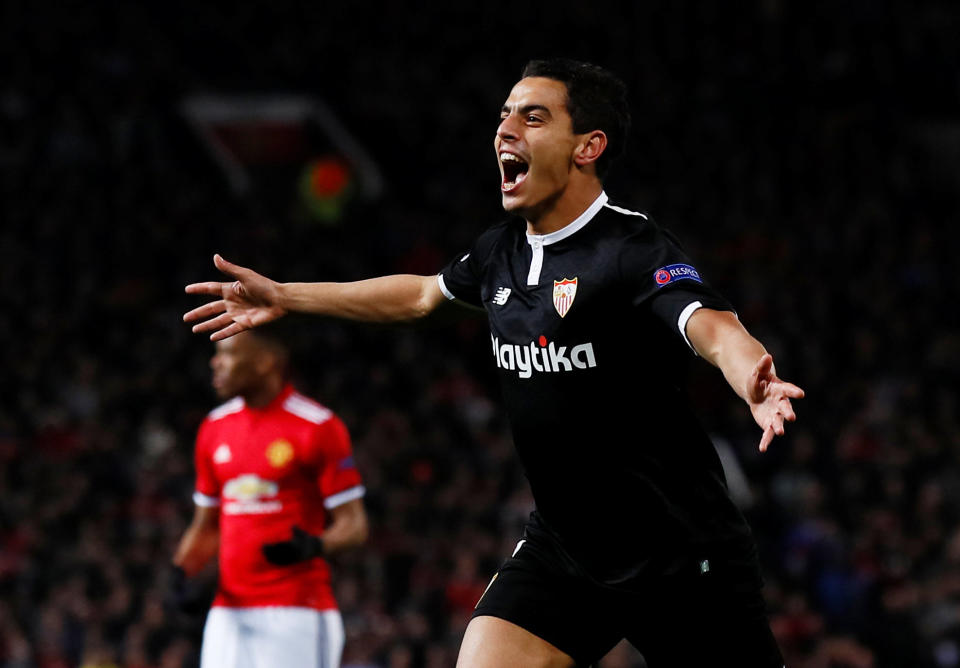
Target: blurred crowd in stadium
(809, 159)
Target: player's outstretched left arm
(719, 338)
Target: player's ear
(591, 146)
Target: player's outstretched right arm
(251, 300)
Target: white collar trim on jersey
(567, 230)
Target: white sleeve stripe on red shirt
(205, 501)
(306, 409)
(307, 400)
(343, 497)
(232, 406)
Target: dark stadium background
(808, 154)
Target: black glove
(302, 546)
(184, 595)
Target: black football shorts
(694, 619)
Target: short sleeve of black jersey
(462, 278)
(664, 279)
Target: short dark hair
(596, 100)
(275, 336)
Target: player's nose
(508, 128)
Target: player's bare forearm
(719, 338)
(348, 527)
(200, 541)
(396, 298)
(252, 300)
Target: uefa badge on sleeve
(563, 294)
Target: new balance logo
(503, 294)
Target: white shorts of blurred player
(271, 637)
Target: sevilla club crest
(563, 294)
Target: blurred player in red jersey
(276, 491)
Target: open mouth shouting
(514, 170)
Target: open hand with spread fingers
(769, 400)
(249, 301)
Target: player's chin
(510, 203)
(513, 202)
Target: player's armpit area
(450, 311)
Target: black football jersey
(587, 330)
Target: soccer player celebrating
(591, 308)
(276, 491)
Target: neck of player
(263, 392)
(566, 206)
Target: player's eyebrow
(526, 109)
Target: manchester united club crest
(279, 453)
(563, 294)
